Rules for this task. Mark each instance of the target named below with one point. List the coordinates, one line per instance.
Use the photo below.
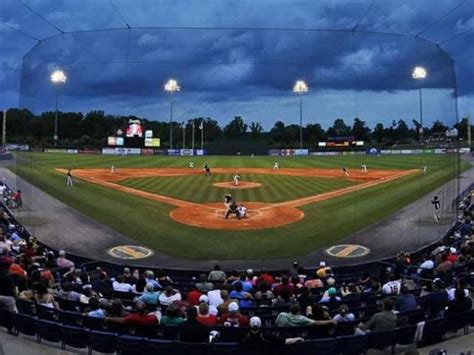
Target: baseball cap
(332, 291)
(452, 250)
(203, 299)
(322, 263)
(255, 322)
(233, 307)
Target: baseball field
(308, 203)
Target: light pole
(171, 86)
(184, 135)
(420, 73)
(300, 88)
(57, 77)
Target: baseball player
(232, 210)
(191, 165)
(242, 211)
(207, 170)
(113, 169)
(276, 166)
(69, 182)
(424, 169)
(345, 171)
(364, 169)
(437, 206)
(236, 179)
(227, 200)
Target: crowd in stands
(432, 285)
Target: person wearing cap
(212, 309)
(224, 306)
(141, 317)
(256, 336)
(150, 297)
(294, 318)
(330, 296)
(452, 255)
(62, 262)
(233, 318)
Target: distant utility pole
(469, 132)
(4, 129)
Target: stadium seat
(24, 324)
(158, 346)
(70, 318)
(353, 345)
(234, 349)
(382, 340)
(50, 331)
(74, 337)
(405, 335)
(320, 347)
(102, 342)
(434, 331)
(6, 320)
(130, 345)
(460, 321)
(46, 313)
(26, 307)
(191, 349)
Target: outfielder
(207, 170)
(276, 166)
(424, 169)
(437, 206)
(191, 165)
(364, 169)
(345, 171)
(236, 179)
(69, 182)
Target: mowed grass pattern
(325, 223)
(275, 188)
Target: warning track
(260, 215)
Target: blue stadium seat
(158, 346)
(434, 331)
(130, 345)
(25, 307)
(46, 313)
(102, 342)
(50, 331)
(320, 347)
(460, 321)
(405, 335)
(191, 349)
(70, 318)
(353, 345)
(234, 349)
(74, 337)
(6, 320)
(382, 340)
(24, 324)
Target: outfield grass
(275, 188)
(325, 222)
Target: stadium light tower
(171, 86)
(300, 88)
(57, 78)
(420, 73)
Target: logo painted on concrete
(130, 252)
(347, 251)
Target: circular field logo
(347, 251)
(130, 252)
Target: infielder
(207, 170)
(191, 165)
(236, 179)
(276, 166)
(113, 169)
(437, 206)
(69, 182)
(345, 171)
(424, 169)
(364, 169)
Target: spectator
(223, 307)
(233, 318)
(392, 287)
(460, 304)
(169, 296)
(94, 310)
(7, 293)
(68, 294)
(172, 318)
(203, 285)
(245, 298)
(141, 317)
(217, 275)
(128, 277)
(150, 297)
(256, 336)
(212, 309)
(425, 268)
(351, 290)
(264, 292)
(246, 284)
(120, 286)
(163, 279)
(43, 297)
(204, 317)
(284, 284)
(215, 298)
(265, 277)
(343, 314)
(461, 285)
(444, 267)
(191, 331)
(314, 283)
(385, 320)
(330, 298)
(193, 296)
(295, 319)
(285, 299)
(305, 298)
(406, 301)
(17, 199)
(150, 279)
(437, 300)
(63, 262)
(102, 284)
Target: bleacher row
(69, 327)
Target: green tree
(379, 133)
(339, 129)
(359, 130)
(256, 129)
(235, 128)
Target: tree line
(93, 128)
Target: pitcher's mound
(259, 216)
(241, 185)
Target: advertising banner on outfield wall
(186, 152)
(147, 151)
(174, 152)
(440, 151)
(64, 151)
(293, 152)
(89, 151)
(373, 151)
(18, 147)
(108, 151)
(428, 151)
(201, 152)
(274, 152)
(159, 151)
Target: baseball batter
(227, 200)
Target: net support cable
(41, 17)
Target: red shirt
(209, 321)
(140, 319)
(278, 288)
(267, 278)
(193, 297)
(452, 258)
(234, 320)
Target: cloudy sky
(240, 57)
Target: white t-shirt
(426, 265)
(121, 287)
(451, 293)
(166, 301)
(215, 298)
(242, 210)
(391, 288)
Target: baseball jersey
(391, 288)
